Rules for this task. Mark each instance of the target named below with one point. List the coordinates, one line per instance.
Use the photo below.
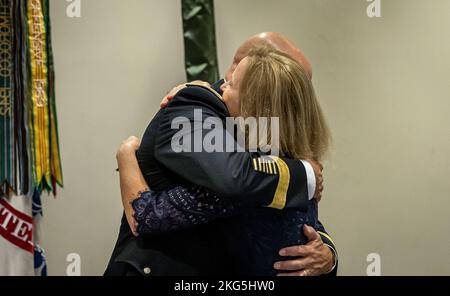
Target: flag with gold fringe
(30, 162)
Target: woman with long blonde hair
(268, 83)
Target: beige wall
(384, 84)
(113, 65)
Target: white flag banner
(18, 251)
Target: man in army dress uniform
(200, 251)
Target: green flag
(199, 33)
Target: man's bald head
(277, 41)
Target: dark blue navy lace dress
(254, 235)
(178, 208)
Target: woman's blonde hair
(275, 85)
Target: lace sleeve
(177, 209)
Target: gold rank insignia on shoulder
(275, 166)
(265, 165)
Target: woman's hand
(318, 172)
(131, 179)
(165, 101)
(130, 145)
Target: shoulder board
(207, 88)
